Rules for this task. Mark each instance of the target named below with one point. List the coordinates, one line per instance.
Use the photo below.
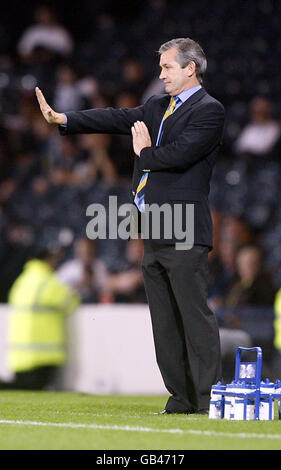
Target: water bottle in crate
(216, 410)
(266, 411)
(229, 400)
(244, 406)
(277, 392)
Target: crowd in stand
(47, 182)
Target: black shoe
(202, 412)
(168, 412)
(164, 412)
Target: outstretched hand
(141, 137)
(49, 114)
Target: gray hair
(188, 50)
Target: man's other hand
(141, 137)
(49, 114)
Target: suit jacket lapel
(171, 120)
(164, 103)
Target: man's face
(175, 78)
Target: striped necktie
(139, 197)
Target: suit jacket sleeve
(202, 134)
(102, 121)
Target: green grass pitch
(74, 421)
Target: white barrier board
(110, 350)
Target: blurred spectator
(64, 153)
(261, 136)
(133, 77)
(36, 337)
(26, 167)
(98, 165)
(121, 148)
(247, 307)
(254, 286)
(67, 95)
(46, 33)
(126, 99)
(42, 137)
(7, 189)
(229, 233)
(127, 285)
(17, 245)
(155, 87)
(277, 323)
(72, 92)
(85, 273)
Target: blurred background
(103, 53)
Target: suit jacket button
(133, 192)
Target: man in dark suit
(176, 138)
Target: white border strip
(143, 429)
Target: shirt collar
(184, 95)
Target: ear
(190, 68)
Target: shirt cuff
(65, 124)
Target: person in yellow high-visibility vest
(277, 321)
(36, 332)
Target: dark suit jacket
(180, 168)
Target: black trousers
(185, 330)
(35, 379)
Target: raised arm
(102, 121)
(92, 121)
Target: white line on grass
(143, 429)
(90, 413)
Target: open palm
(49, 114)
